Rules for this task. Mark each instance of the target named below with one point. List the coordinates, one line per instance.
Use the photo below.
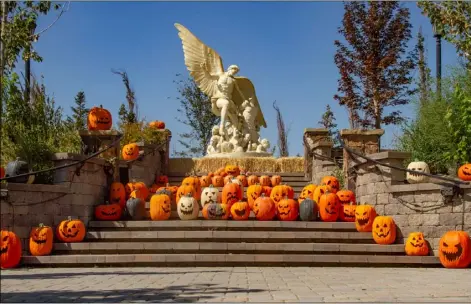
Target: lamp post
(438, 47)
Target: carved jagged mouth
(240, 212)
(129, 153)
(69, 235)
(329, 212)
(116, 199)
(186, 212)
(417, 245)
(284, 213)
(415, 174)
(232, 197)
(348, 216)
(453, 256)
(40, 241)
(102, 122)
(4, 250)
(109, 213)
(216, 213)
(165, 210)
(362, 222)
(466, 173)
(382, 235)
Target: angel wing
(248, 89)
(196, 53)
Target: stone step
(204, 225)
(284, 174)
(174, 214)
(192, 260)
(211, 247)
(294, 184)
(285, 179)
(231, 236)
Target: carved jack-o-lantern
(188, 208)
(275, 180)
(307, 192)
(329, 207)
(10, 249)
(195, 182)
(108, 212)
(455, 249)
(346, 197)
(157, 124)
(418, 166)
(332, 183)
(130, 151)
(320, 190)
(243, 180)
(99, 119)
(278, 193)
(218, 181)
(232, 170)
(171, 191)
(71, 231)
(253, 192)
(416, 244)
(41, 240)
(384, 230)
(237, 181)
(287, 209)
(215, 211)
(160, 207)
(228, 178)
(117, 194)
(464, 172)
(265, 180)
(364, 217)
(231, 193)
(205, 181)
(252, 180)
(210, 194)
(240, 211)
(347, 212)
(161, 180)
(264, 208)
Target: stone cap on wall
(36, 188)
(381, 156)
(347, 132)
(317, 131)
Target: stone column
(317, 152)
(362, 141)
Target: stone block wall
(318, 154)
(24, 206)
(148, 167)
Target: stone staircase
(227, 243)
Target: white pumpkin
(418, 166)
(237, 181)
(188, 208)
(210, 194)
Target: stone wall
(146, 169)
(414, 207)
(318, 154)
(24, 206)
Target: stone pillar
(363, 141)
(317, 152)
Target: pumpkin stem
(41, 225)
(101, 106)
(69, 218)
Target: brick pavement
(236, 284)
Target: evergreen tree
(80, 112)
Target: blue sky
(285, 48)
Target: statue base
(239, 155)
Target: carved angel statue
(231, 96)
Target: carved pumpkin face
(171, 191)
(228, 178)
(307, 192)
(264, 208)
(455, 249)
(347, 212)
(275, 180)
(99, 119)
(278, 193)
(218, 181)
(231, 193)
(364, 217)
(267, 190)
(118, 194)
(347, 197)
(188, 208)
(215, 211)
(464, 172)
(10, 249)
(130, 151)
(253, 192)
(416, 244)
(195, 182)
(161, 180)
(72, 231)
(252, 180)
(329, 207)
(157, 124)
(41, 240)
(418, 166)
(205, 181)
(384, 230)
(332, 183)
(184, 191)
(160, 207)
(108, 212)
(265, 180)
(287, 209)
(320, 190)
(240, 211)
(210, 194)
(243, 180)
(232, 170)
(142, 188)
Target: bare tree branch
(282, 132)
(65, 8)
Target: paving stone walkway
(236, 284)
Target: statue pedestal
(239, 155)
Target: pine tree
(328, 122)
(282, 132)
(424, 71)
(80, 112)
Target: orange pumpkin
(228, 178)
(99, 119)
(157, 124)
(195, 182)
(139, 188)
(384, 230)
(215, 211)
(416, 245)
(210, 175)
(265, 180)
(275, 180)
(2, 172)
(231, 193)
(287, 209)
(307, 192)
(160, 207)
(117, 194)
(154, 188)
(329, 207)
(278, 193)
(252, 180)
(130, 151)
(218, 181)
(267, 190)
(10, 248)
(161, 180)
(347, 196)
(454, 249)
(205, 181)
(243, 180)
(71, 231)
(289, 191)
(232, 170)
(41, 240)
(332, 183)
(364, 217)
(347, 212)
(185, 190)
(464, 172)
(240, 211)
(320, 190)
(264, 208)
(108, 212)
(253, 192)
(173, 192)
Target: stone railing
(318, 154)
(24, 206)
